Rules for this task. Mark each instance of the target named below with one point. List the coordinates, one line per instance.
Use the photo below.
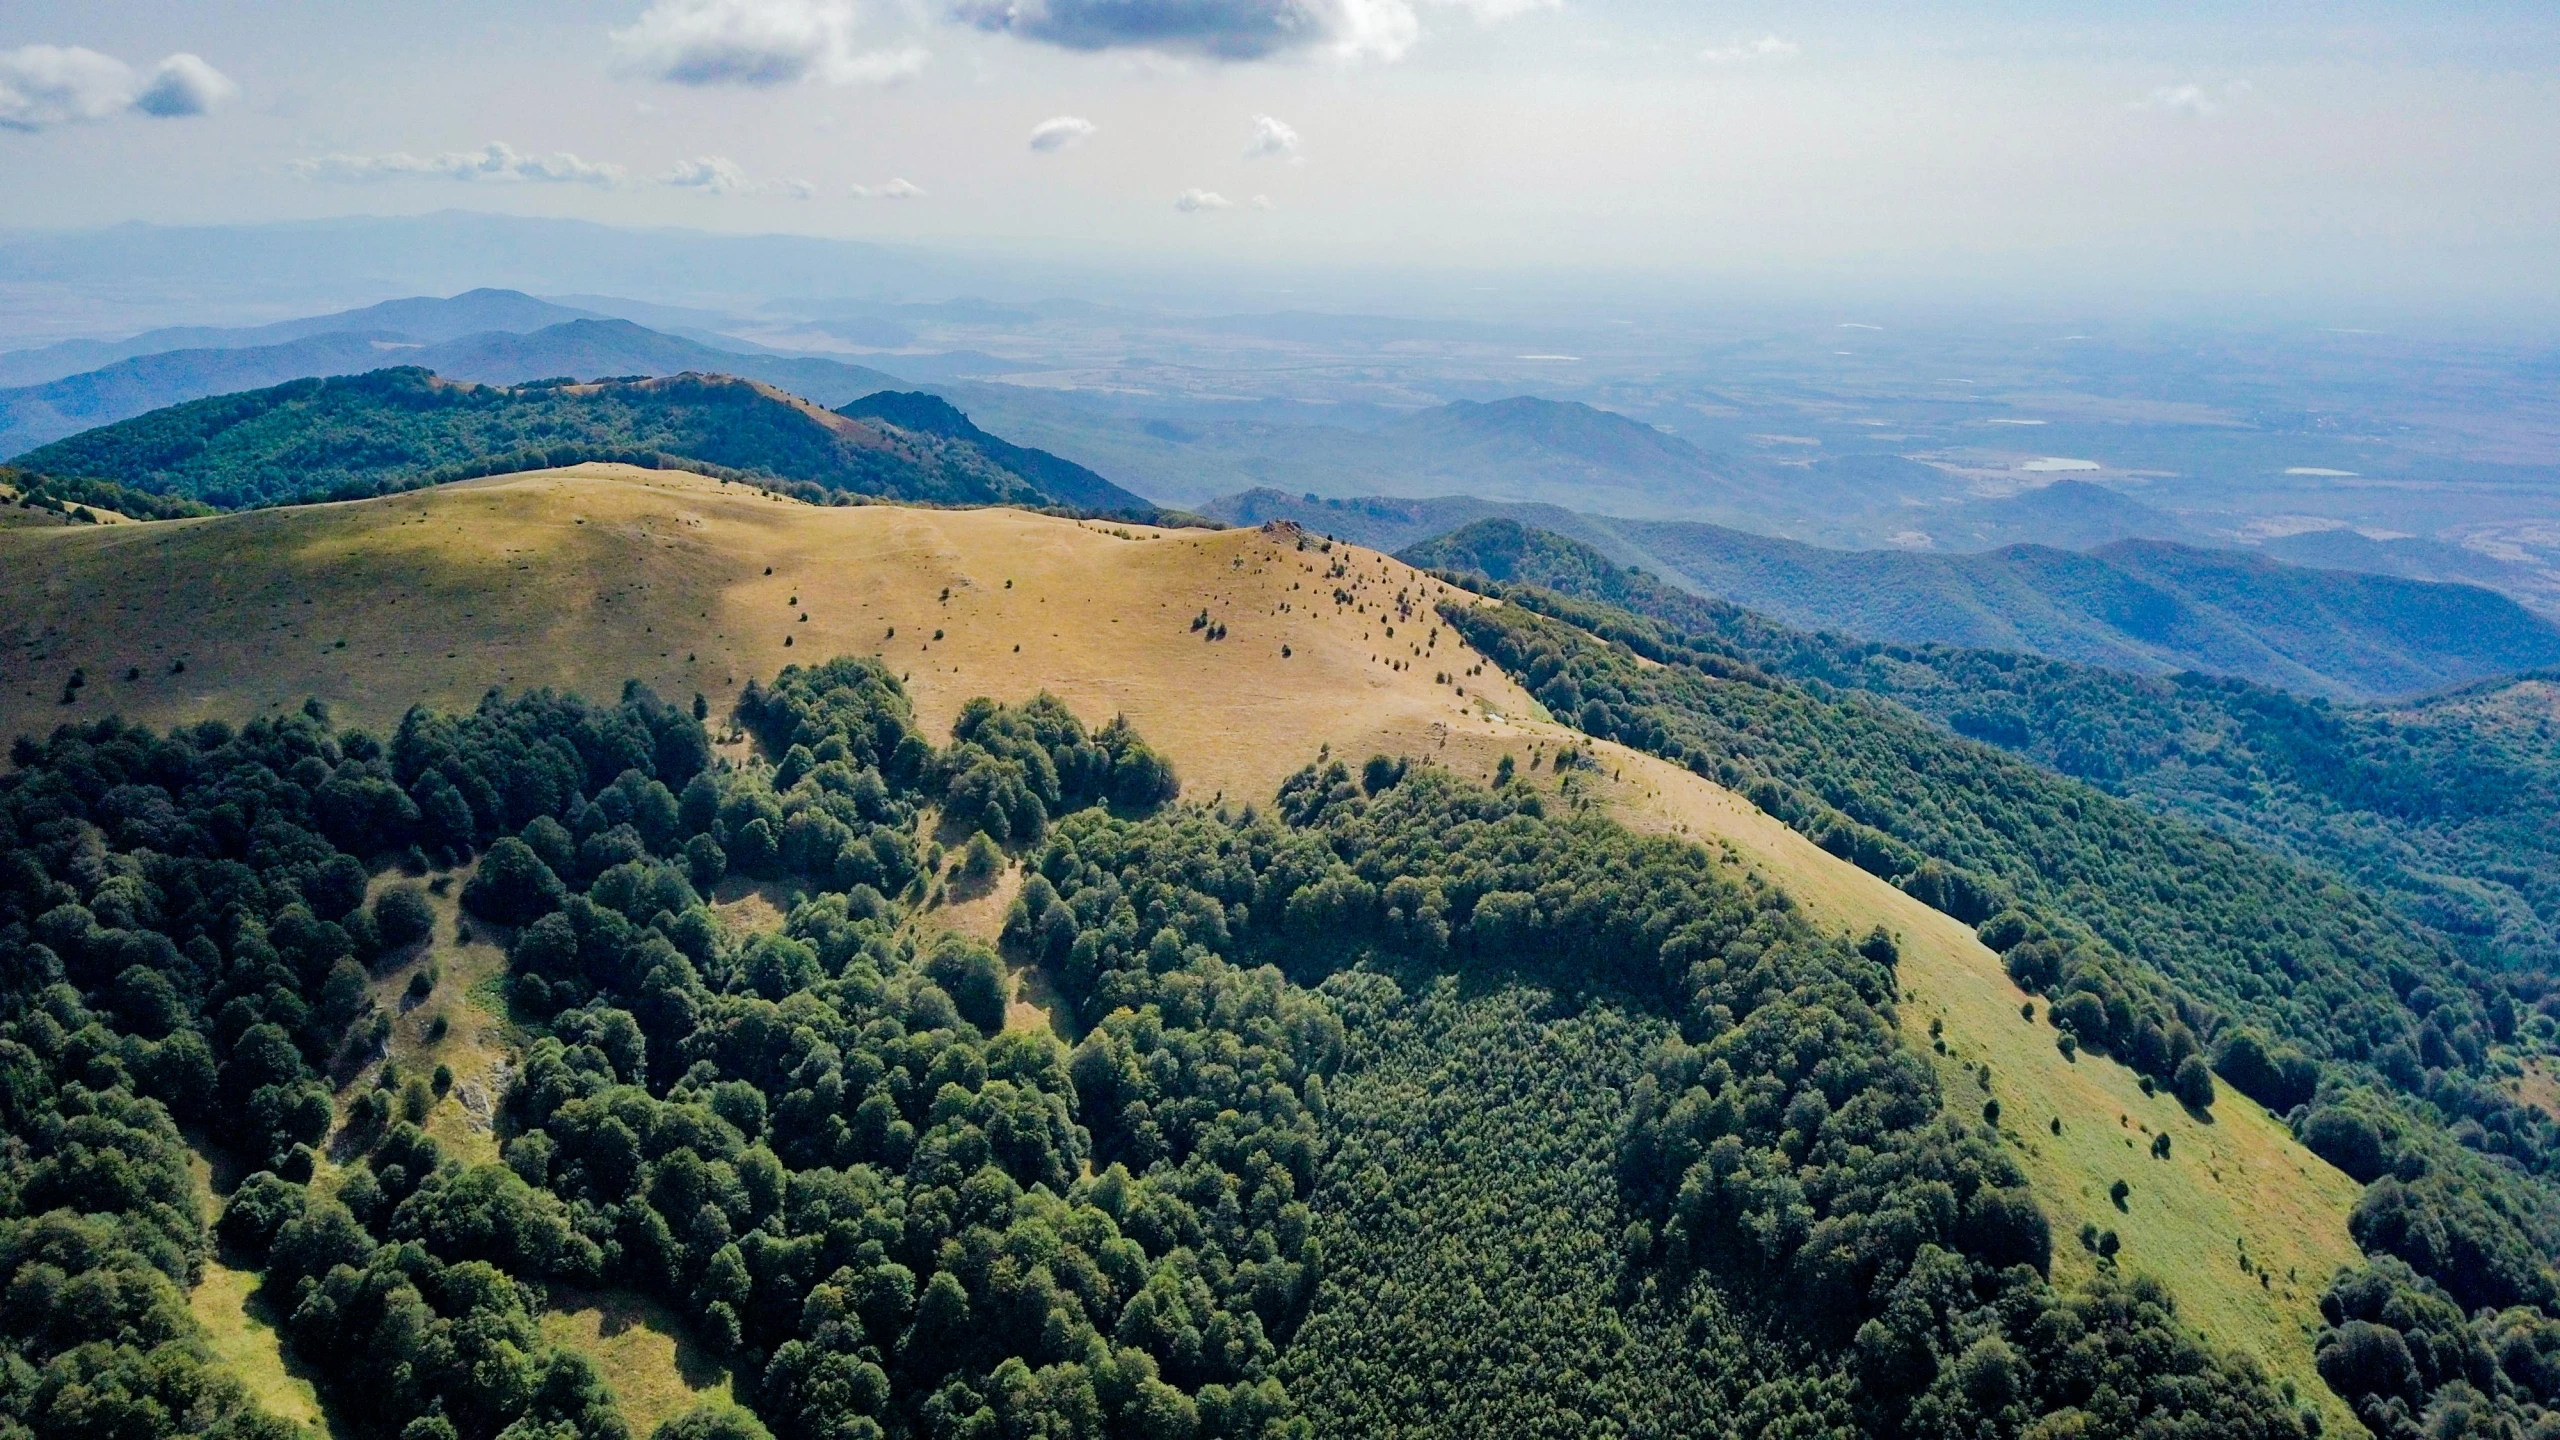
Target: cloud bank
(757, 44)
(1228, 29)
(900, 189)
(42, 86)
(497, 161)
(1061, 131)
(1194, 202)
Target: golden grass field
(579, 578)
(582, 578)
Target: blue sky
(2353, 149)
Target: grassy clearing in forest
(240, 1323)
(241, 1329)
(475, 1043)
(644, 1353)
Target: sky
(2401, 153)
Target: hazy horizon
(2366, 163)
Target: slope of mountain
(417, 320)
(1504, 1127)
(581, 348)
(393, 429)
(2132, 605)
(1064, 481)
(1517, 450)
(2068, 515)
(2442, 807)
(1385, 522)
(1560, 446)
(2531, 579)
(2177, 924)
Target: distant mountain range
(417, 320)
(580, 346)
(1518, 450)
(393, 429)
(2442, 805)
(2147, 606)
(1562, 465)
(2141, 605)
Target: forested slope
(1395, 1101)
(2440, 806)
(390, 430)
(2176, 953)
(1211, 1217)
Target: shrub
(973, 977)
(402, 917)
(513, 886)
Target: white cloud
(1192, 202)
(1263, 202)
(1058, 132)
(900, 189)
(2194, 101)
(720, 175)
(1273, 137)
(757, 43)
(42, 86)
(184, 85)
(1767, 47)
(497, 161)
(713, 174)
(1228, 29)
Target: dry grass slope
(579, 578)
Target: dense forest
(2441, 807)
(1406, 1104)
(388, 430)
(73, 496)
(2180, 954)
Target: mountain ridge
(398, 428)
(585, 347)
(418, 319)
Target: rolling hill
(585, 577)
(2067, 514)
(584, 347)
(393, 429)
